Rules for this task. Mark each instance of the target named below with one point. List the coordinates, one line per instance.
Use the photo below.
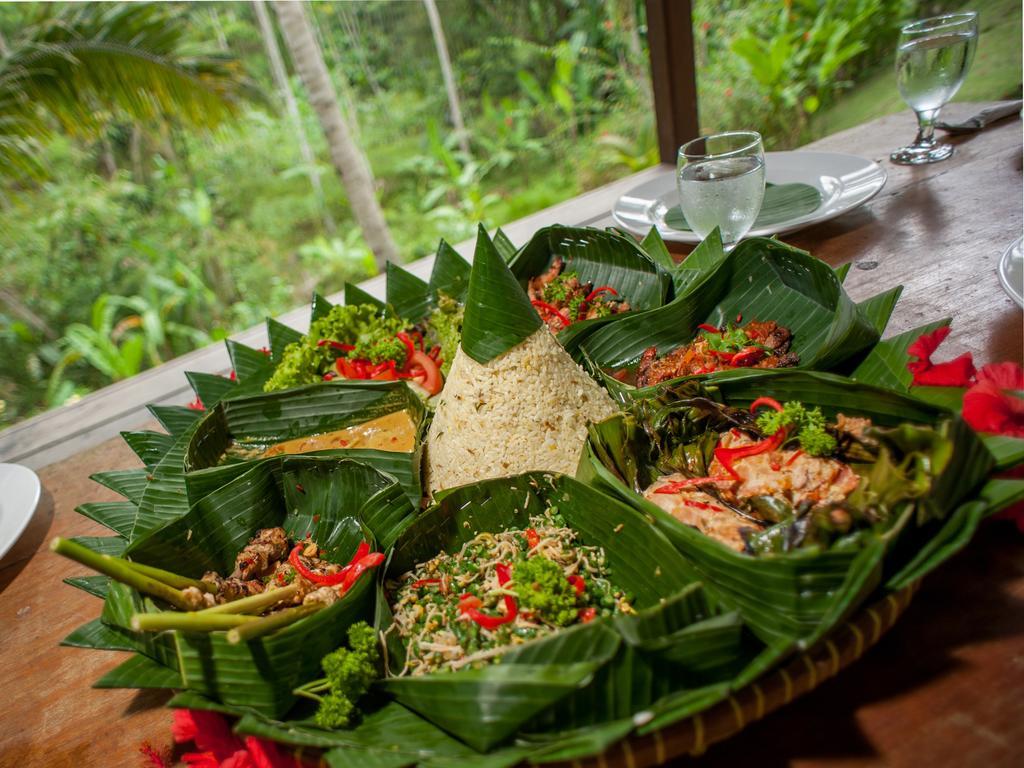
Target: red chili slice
(599, 290)
(423, 582)
(410, 348)
(703, 505)
(532, 538)
(356, 569)
(335, 345)
(771, 402)
(679, 485)
(794, 457)
(586, 615)
(709, 328)
(726, 456)
(747, 357)
(548, 308)
(578, 583)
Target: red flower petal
(208, 730)
(927, 343)
(201, 760)
(1003, 375)
(988, 409)
(265, 754)
(956, 373)
(241, 759)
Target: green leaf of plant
(210, 388)
(280, 336)
(130, 483)
(118, 516)
(176, 419)
(498, 313)
(886, 364)
(409, 296)
(96, 585)
(149, 446)
(140, 672)
(450, 273)
(356, 295)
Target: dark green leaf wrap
(799, 595)
(762, 279)
(483, 707)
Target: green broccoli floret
(349, 672)
(304, 362)
(543, 589)
(446, 323)
(808, 426)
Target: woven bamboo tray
(693, 736)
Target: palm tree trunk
(348, 159)
(281, 80)
(446, 71)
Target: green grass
(995, 74)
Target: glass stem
(926, 128)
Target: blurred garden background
(166, 181)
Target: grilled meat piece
(233, 588)
(697, 357)
(802, 480)
(571, 300)
(259, 556)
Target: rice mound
(525, 410)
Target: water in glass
(929, 71)
(724, 193)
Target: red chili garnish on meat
(362, 555)
(709, 328)
(726, 456)
(578, 583)
(410, 348)
(586, 615)
(775, 466)
(702, 505)
(356, 569)
(747, 357)
(739, 318)
(548, 308)
(794, 457)
(532, 538)
(771, 402)
(679, 485)
(599, 290)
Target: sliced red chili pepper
(504, 573)
(775, 466)
(726, 456)
(196, 405)
(409, 346)
(747, 357)
(794, 457)
(679, 485)
(233, 376)
(599, 290)
(548, 308)
(771, 402)
(423, 582)
(586, 615)
(702, 505)
(358, 568)
(739, 318)
(532, 538)
(317, 578)
(709, 328)
(578, 583)
(469, 605)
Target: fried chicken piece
(259, 556)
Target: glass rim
(942, 21)
(755, 140)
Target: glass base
(921, 154)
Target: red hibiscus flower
(955, 373)
(220, 748)
(990, 407)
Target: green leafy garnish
(807, 426)
(446, 323)
(542, 588)
(373, 335)
(557, 289)
(731, 340)
(349, 673)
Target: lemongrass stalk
(119, 570)
(267, 624)
(254, 603)
(171, 579)
(190, 621)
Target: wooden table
(944, 688)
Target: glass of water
(721, 183)
(931, 63)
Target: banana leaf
(761, 279)
(338, 501)
(799, 595)
(598, 257)
(266, 418)
(484, 707)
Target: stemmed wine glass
(720, 179)
(931, 63)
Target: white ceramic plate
(844, 181)
(19, 495)
(1011, 272)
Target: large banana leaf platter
(761, 279)
(933, 474)
(339, 502)
(712, 624)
